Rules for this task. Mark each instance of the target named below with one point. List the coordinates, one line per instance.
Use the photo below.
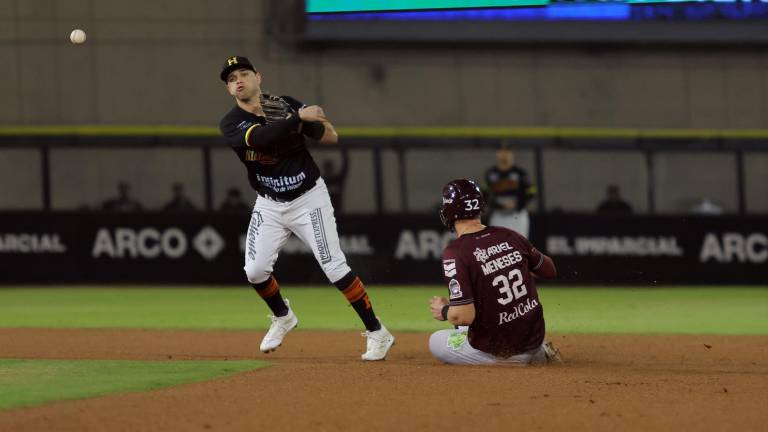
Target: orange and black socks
(269, 290)
(354, 290)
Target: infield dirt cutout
(317, 382)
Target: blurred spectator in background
(509, 191)
(123, 202)
(614, 204)
(179, 201)
(706, 207)
(335, 179)
(234, 203)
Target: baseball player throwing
(270, 135)
(489, 272)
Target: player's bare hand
(312, 114)
(436, 307)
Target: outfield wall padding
(207, 248)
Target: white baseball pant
(452, 347)
(310, 217)
(516, 221)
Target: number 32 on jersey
(511, 292)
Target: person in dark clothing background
(509, 191)
(234, 203)
(613, 203)
(123, 202)
(179, 201)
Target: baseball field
(181, 359)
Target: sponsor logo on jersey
(245, 124)
(501, 263)
(263, 158)
(449, 267)
(24, 243)
(482, 255)
(519, 310)
(506, 185)
(454, 287)
(282, 184)
(735, 247)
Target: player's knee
(334, 271)
(438, 344)
(257, 273)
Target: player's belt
(289, 196)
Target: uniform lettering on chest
(506, 185)
(502, 262)
(263, 158)
(482, 255)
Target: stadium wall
(573, 180)
(156, 62)
(208, 248)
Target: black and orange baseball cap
(232, 63)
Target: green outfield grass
(708, 310)
(33, 382)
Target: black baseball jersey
(272, 148)
(492, 270)
(512, 184)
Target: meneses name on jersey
(501, 263)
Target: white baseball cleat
(379, 343)
(278, 329)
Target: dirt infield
(318, 383)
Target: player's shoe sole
(279, 328)
(378, 345)
(552, 353)
(271, 350)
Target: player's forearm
(329, 134)
(458, 320)
(460, 315)
(547, 269)
(264, 137)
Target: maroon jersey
(492, 269)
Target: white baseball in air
(77, 36)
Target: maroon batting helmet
(462, 199)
